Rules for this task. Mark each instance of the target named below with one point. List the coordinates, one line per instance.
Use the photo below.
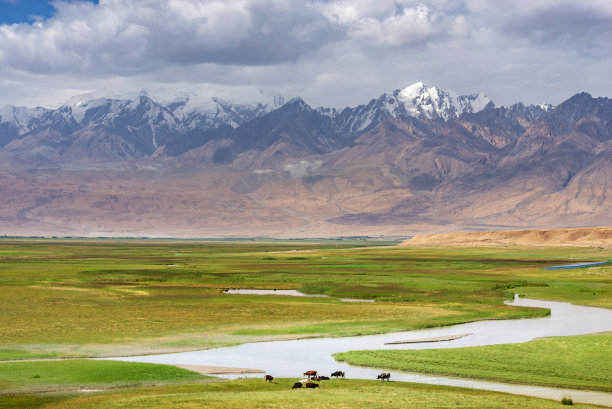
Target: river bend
(291, 358)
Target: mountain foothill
(413, 160)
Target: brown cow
(269, 378)
(310, 374)
(338, 374)
(312, 385)
(384, 375)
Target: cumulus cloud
(339, 52)
(117, 36)
(396, 24)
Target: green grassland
(110, 297)
(578, 362)
(42, 376)
(256, 393)
(75, 298)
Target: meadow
(75, 374)
(68, 298)
(112, 297)
(576, 362)
(256, 393)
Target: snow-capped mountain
(432, 103)
(134, 125)
(416, 100)
(138, 119)
(224, 113)
(410, 158)
(20, 117)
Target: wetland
(102, 298)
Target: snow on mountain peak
(416, 100)
(20, 117)
(546, 107)
(420, 101)
(116, 103)
(412, 91)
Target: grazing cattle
(310, 374)
(384, 375)
(312, 385)
(297, 385)
(305, 380)
(338, 374)
(269, 378)
(323, 378)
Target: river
(291, 358)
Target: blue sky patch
(26, 11)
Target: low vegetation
(63, 375)
(256, 393)
(578, 362)
(81, 298)
(109, 297)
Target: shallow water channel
(293, 293)
(291, 358)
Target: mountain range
(413, 160)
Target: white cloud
(336, 52)
(120, 37)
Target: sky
(329, 52)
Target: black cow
(338, 374)
(322, 378)
(269, 378)
(384, 375)
(297, 385)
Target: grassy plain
(43, 376)
(578, 362)
(62, 298)
(256, 393)
(109, 297)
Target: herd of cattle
(312, 376)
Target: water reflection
(292, 293)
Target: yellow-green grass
(578, 362)
(335, 394)
(63, 375)
(109, 297)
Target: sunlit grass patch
(62, 375)
(579, 362)
(335, 394)
(96, 294)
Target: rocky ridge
(414, 160)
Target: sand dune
(581, 237)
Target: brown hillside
(581, 237)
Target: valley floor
(63, 298)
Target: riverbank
(104, 298)
(578, 362)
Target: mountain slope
(416, 160)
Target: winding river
(291, 358)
